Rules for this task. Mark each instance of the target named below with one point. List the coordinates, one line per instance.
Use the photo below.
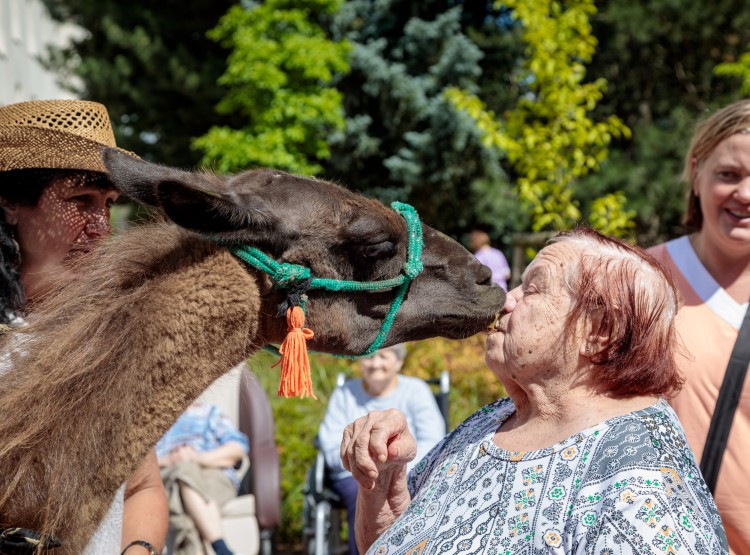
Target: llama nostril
(483, 274)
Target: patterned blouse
(628, 485)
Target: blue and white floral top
(629, 485)
(204, 428)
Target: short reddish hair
(638, 301)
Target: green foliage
(297, 420)
(648, 174)
(609, 216)
(549, 137)
(150, 64)
(278, 81)
(740, 68)
(403, 140)
(658, 58)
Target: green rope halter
(288, 276)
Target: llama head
(336, 233)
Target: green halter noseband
(290, 276)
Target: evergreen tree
(658, 58)
(151, 64)
(403, 139)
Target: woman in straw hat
(55, 198)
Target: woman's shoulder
(663, 252)
(411, 383)
(650, 439)
(653, 428)
(641, 467)
(490, 416)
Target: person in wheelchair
(380, 387)
(198, 457)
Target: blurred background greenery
(516, 116)
(297, 420)
(358, 92)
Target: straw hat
(56, 134)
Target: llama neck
(129, 362)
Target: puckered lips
(80, 249)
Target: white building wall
(25, 31)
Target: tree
(151, 64)
(739, 68)
(549, 137)
(403, 139)
(279, 99)
(658, 58)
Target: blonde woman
(712, 270)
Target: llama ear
(192, 200)
(133, 176)
(193, 207)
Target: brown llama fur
(157, 314)
(93, 401)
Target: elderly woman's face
(379, 371)
(528, 338)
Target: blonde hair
(721, 125)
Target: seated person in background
(197, 456)
(381, 387)
(584, 456)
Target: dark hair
(638, 302)
(25, 187)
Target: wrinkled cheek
(494, 350)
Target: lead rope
(295, 378)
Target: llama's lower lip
(493, 326)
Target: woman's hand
(375, 449)
(179, 454)
(375, 444)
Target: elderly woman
(583, 457)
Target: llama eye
(376, 250)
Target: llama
(158, 313)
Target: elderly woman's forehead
(560, 255)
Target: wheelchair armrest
(256, 420)
(318, 482)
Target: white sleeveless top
(108, 537)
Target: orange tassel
(295, 364)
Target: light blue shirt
(412, 396)
(204, 428)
